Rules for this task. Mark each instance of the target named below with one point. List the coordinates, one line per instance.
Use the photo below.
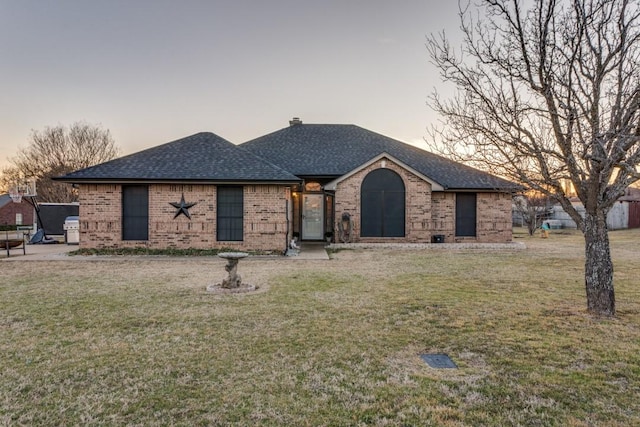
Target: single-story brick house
(312, 181)
(12, 214)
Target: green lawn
(137, 340)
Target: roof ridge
(262, 159)
(335, 149)
(202, 156)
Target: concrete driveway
(38, 252)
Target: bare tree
(547, 96)
(8, 177)
(57, 151)
(533, 208)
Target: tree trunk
(532, 225)
(598, 266)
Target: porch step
(312, 251)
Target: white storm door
(312, 217)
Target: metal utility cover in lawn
(439, 361)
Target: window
(18, 219)
(466, 214)
(230, 216)
(135, 212)
(382, 205)
(312, 186)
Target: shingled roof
(331, 150)
(5, 199)
(203, 157)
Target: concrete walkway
(311, 251)
(52, 252)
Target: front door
(312, 217)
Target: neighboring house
(310, 180)
(15, 213)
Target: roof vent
(295, 121)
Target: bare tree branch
(546, 96)
(59, 150)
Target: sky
(154, 71)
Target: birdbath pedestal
(233, 281)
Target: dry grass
(138, 341)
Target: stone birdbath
(233, 282)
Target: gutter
(172, 181)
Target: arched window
(312, 186)
(382, 204)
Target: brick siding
(494, 220)
(265, 222)
(417, 210)
(443, 220)
(8, 213)
(265, 215)
(427, 213)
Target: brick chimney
(295, 121)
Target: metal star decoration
(183, 207)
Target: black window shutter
(466, 214)
(230, 216)
(135, 212)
